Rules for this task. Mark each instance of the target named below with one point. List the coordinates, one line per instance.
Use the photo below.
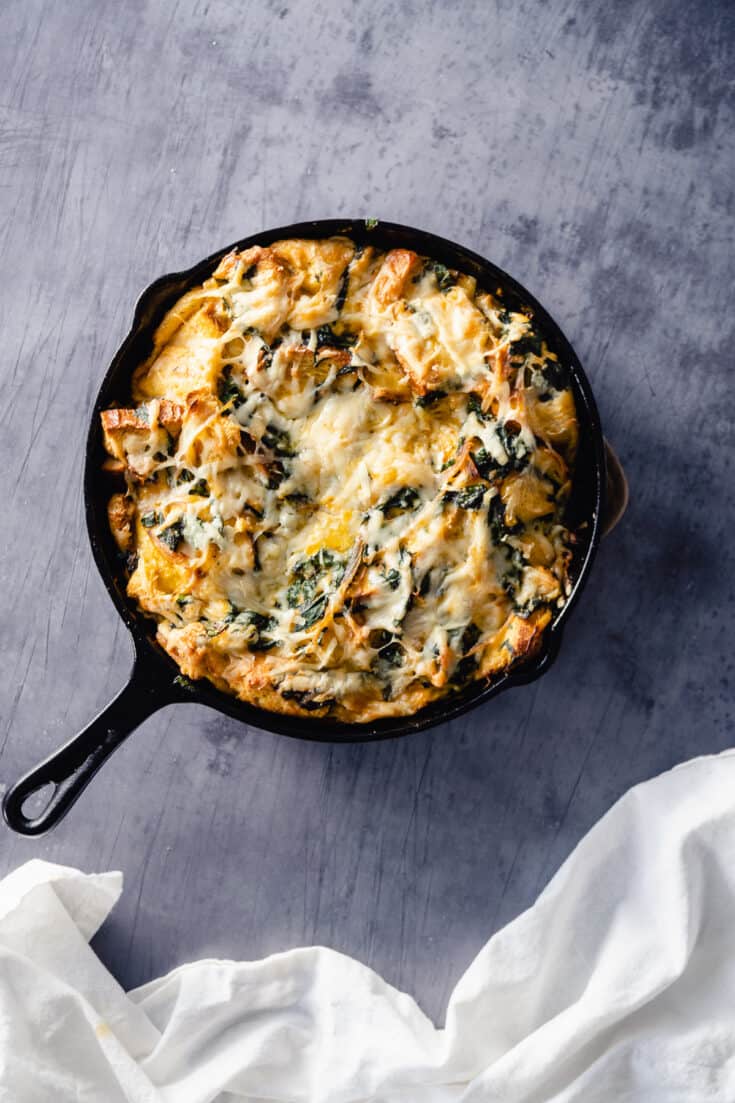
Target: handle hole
(36, 803)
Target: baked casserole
(345, 478)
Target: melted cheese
(345, 481)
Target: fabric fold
(618, 984)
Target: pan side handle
(70, 769)
(617, 490)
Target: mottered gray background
(585, 147)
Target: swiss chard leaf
(228, 391)
(429, 398)
(389, 657)
(339, 302)
(425, 584)
(555, 375)
(514, 447)
(469, 497)
(406, 498)
(468, 663)
(307, 699)
(299, 591)
(313, 612)
(327, 338)
(278, 440)
(172, 535)
(529, 343)
(474, 406)
(464, 670)
(307, 573)
(513, 574)
(444, 277)
(484, 462)
(392, 655)
(263, 643)
(262, 621)
(496, 519)
(470, 636)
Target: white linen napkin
(617, 985)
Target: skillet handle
(70, 769)
(617, 494)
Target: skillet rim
(149, 308)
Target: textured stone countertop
(586, 148)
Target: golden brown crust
(393, 276)
(120, 514)
(168, 414)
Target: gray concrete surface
(585, 147)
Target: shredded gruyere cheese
(345, 480)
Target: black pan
(153, 679)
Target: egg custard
(345, 480)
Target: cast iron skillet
(153, 679)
